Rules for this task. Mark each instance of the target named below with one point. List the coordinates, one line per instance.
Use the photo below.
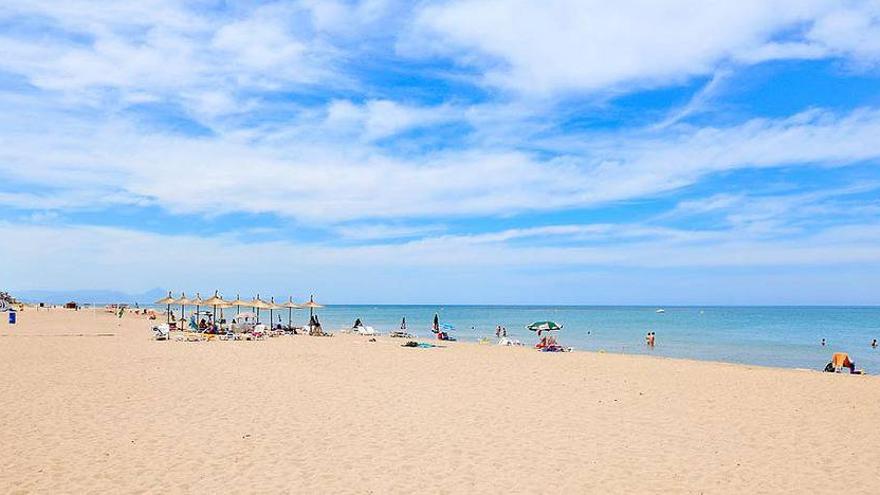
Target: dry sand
(124, 414)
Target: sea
(789, 337)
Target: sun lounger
(161, 332)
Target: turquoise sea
(773, 336)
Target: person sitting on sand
(203, 325)
(547, 341)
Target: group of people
(500, 331)
(650, 339)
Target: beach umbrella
(544, 326)
(238, 303)
(312, 305)
(258, 304)
(167, 301)
(272, 308)
(183, 302)
(290, 305)
(215, 301)
(198, 301)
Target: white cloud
(377, 119)
(162, 50)
(559, 45)
(335, 179)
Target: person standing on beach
(504, 331)
(498, 331)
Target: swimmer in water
(823, 342)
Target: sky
(456, 152)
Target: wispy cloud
(575, 45)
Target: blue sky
(506, 151)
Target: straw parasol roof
(198, 301)
(215, 300)
(166, 300)
(290, 305)
(312, 304)
(258, 303)
(183, 301)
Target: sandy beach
(90, 404)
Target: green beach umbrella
(544, 326)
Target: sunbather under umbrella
(167, 301)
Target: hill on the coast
(89, 296)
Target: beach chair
(366, 330)
(161, 332)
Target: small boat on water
(661, 310)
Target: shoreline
(384, 336)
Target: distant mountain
(89, 296)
